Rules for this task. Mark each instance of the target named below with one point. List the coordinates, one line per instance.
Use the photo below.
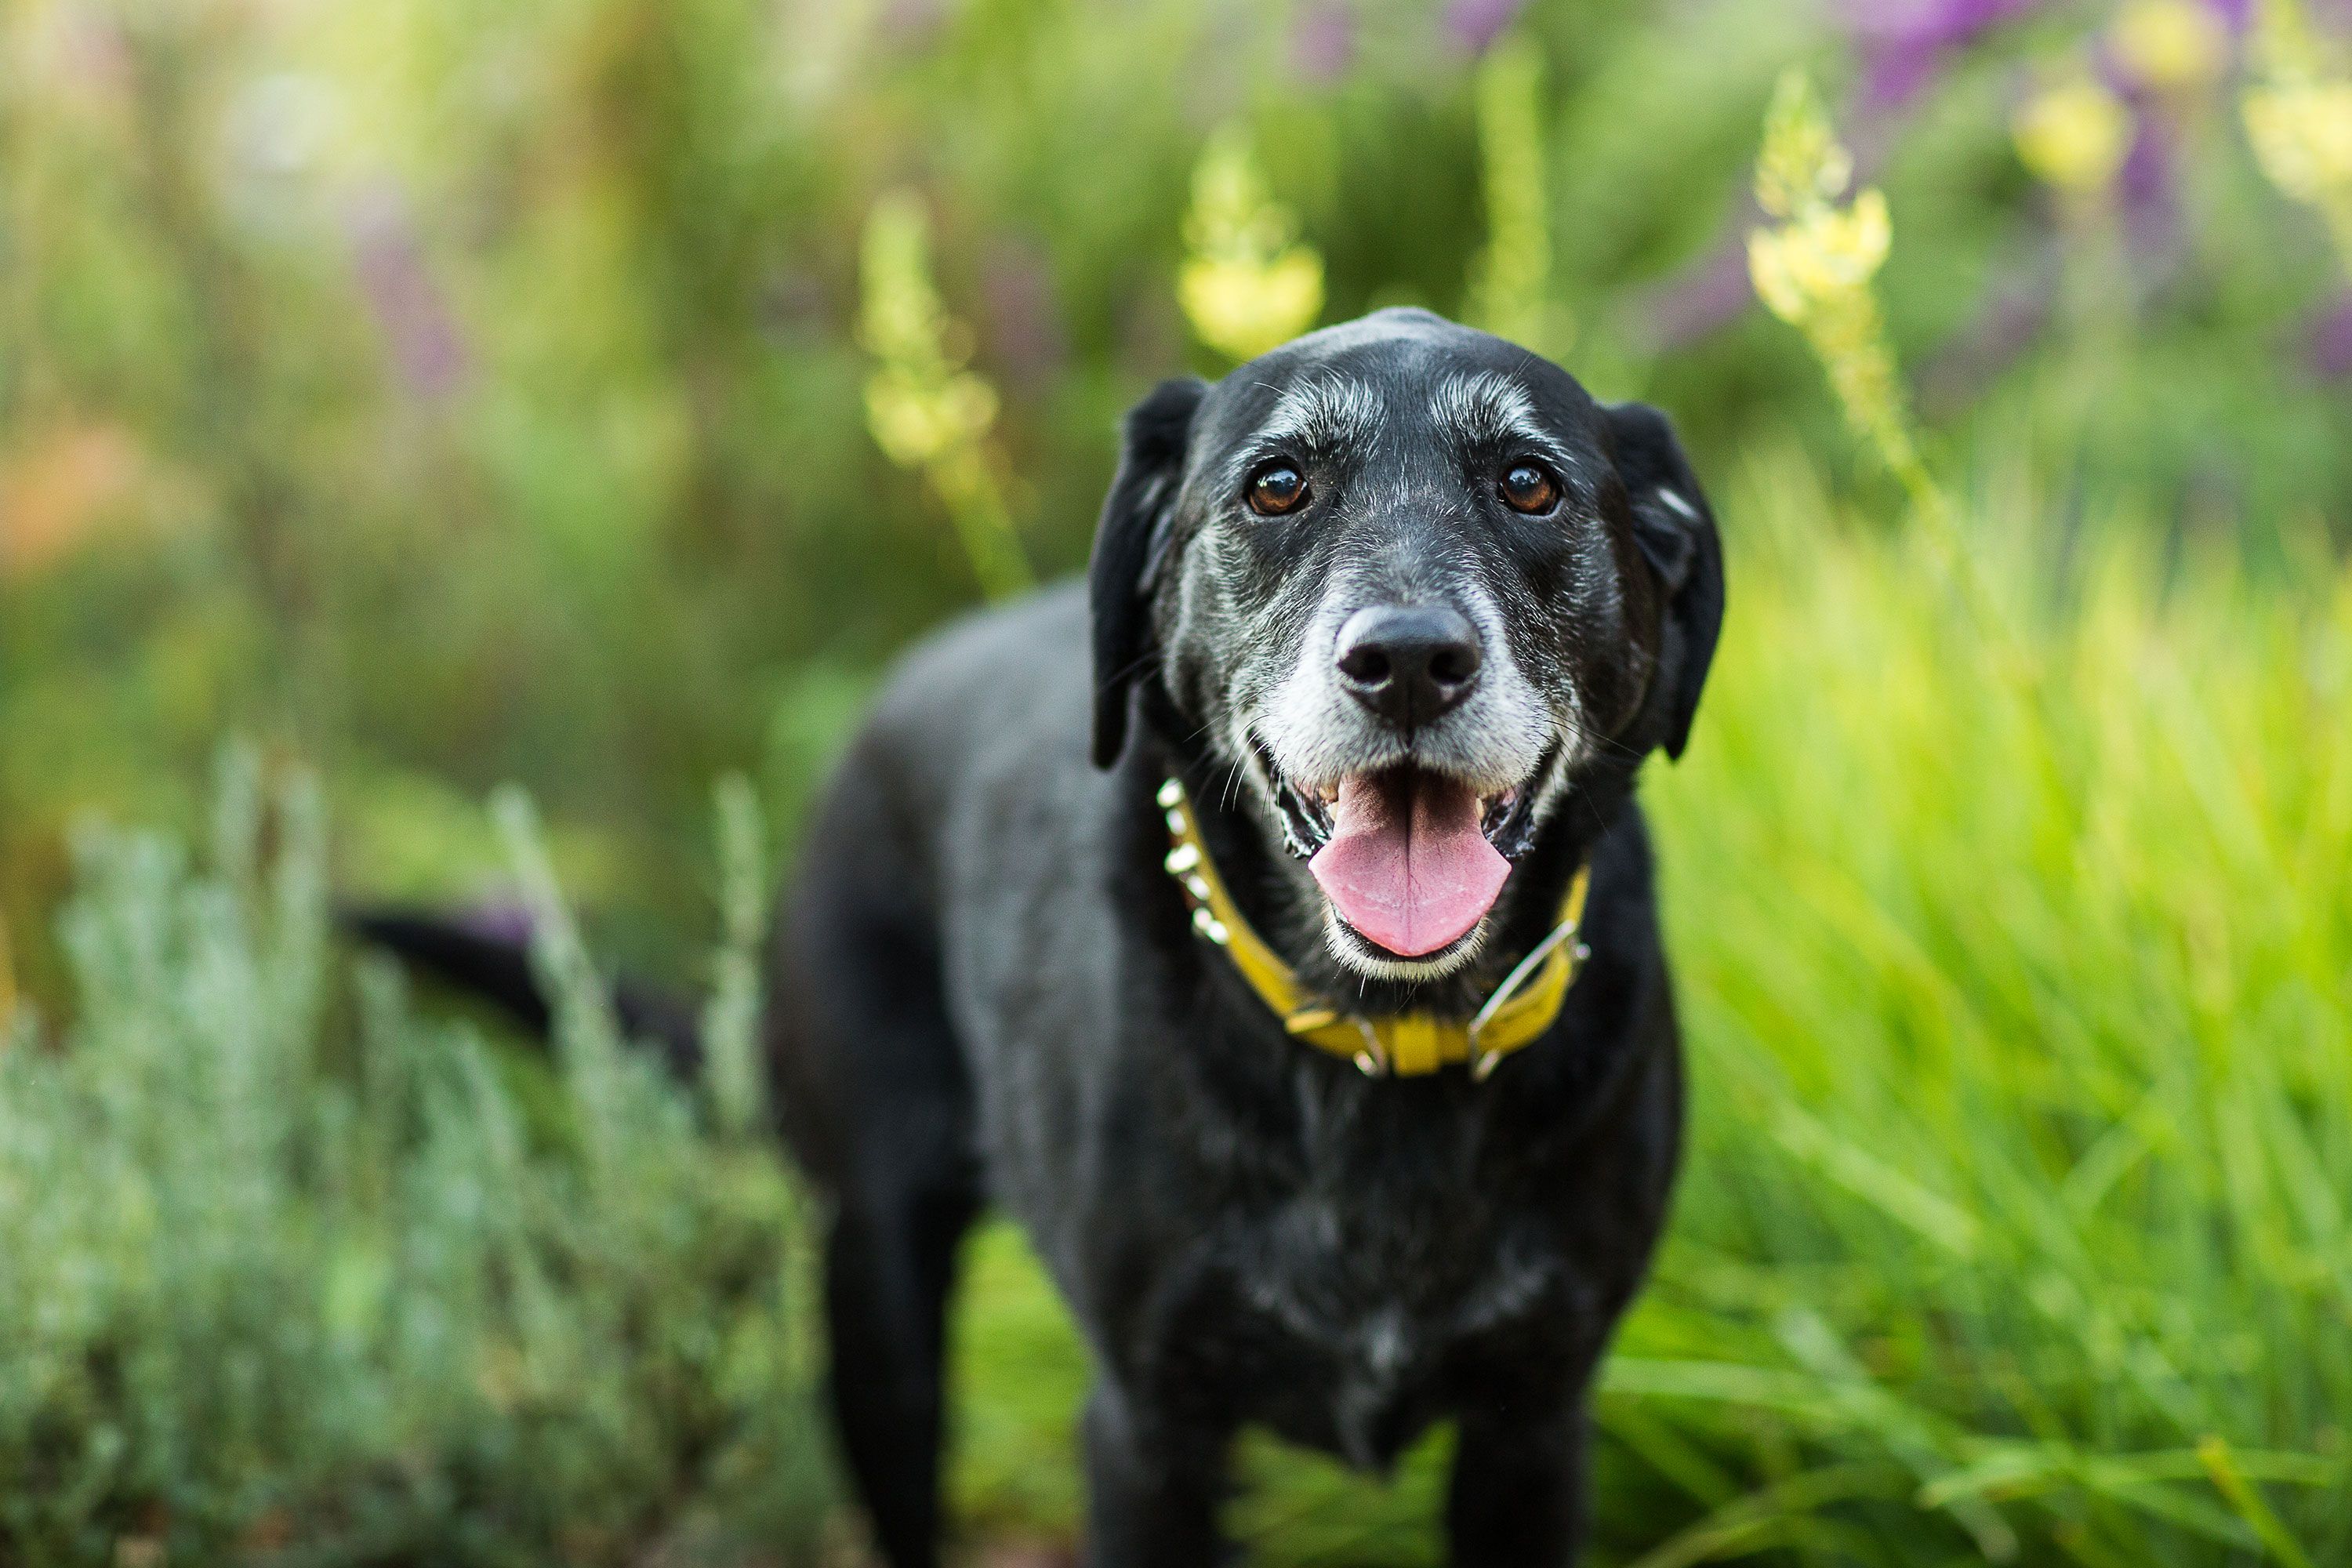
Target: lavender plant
(276, 1288)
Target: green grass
(2015, 961)
(2014, 965)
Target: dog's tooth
(1175, 822)
(1210, 926)
(1172, 793)
(1182, 858)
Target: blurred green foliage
(447, 393)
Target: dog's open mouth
(1409, 859)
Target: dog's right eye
(1277, 489)
(1528, 488)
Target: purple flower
(1904, 43)
(409, 305)
(1930, 21)
(504, 919)
(2148, 189)
(1476, 24)
(2236, 14)
(1323, 41)
(2331, 340)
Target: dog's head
(1412, 582)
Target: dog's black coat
(989, 992)
(986, 989)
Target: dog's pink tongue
(1407, 865)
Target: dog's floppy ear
(1675, 528)
(1127, 543)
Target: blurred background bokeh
(453, 393)
(424, 395)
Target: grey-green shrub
(281, 1283)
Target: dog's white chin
(1369, 958)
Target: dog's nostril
(1454, 664)
(1409, 663)
(1366, 665)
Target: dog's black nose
(1409, 663)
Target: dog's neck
(1279, 896)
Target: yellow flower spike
(1804, 165)
(2075, 136)
(2282, 46)
(901, 319)
(2299, 118)
(1510, 281)
(1248, 284)
(925, 410)
(1774, 272)
(1852, 244)
(919, 421)
(2302, 135)
(1820, 251)
(2171, 44)
(1815, 269)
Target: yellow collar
(1406, 1044)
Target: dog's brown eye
(1276, 489)
(1529, 488)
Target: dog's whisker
(1595, 740)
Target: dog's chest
(1388, 1285)
(1389, 1253)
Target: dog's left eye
(1527, 488)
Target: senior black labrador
(1269, 929)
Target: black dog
(1159, 916)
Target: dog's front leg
(1517, 1497)
(1153, 1486)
